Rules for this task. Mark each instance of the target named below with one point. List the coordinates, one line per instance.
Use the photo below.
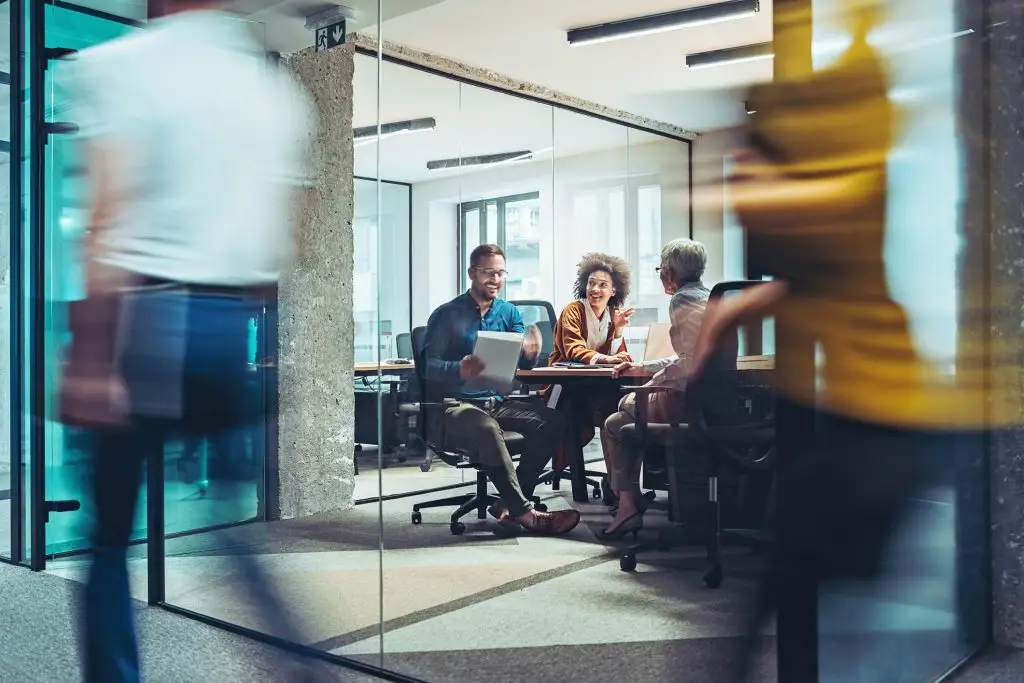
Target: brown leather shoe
(551, 523)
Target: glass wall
(924, 614)
(433, 166)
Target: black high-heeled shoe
(642, 503)
(631, 525)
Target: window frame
(463, 209)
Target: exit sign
(330, 36)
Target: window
(513, 223)
(380, 288)
(649, 290)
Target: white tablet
(500, 352)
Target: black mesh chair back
(714, 393)
(416, 340)
(542, 314)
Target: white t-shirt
(211, 143)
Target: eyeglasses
(657, 269)
(491, 273)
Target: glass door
(65, 215)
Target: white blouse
(597, 330)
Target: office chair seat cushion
(514, 442)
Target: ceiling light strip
(730, 55)
(483, 160)
(664, 21)
(395, 128)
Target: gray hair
(685, 258)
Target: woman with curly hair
(589, 331)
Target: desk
(758, 367)
(385, 368)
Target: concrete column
(315, 319)
(992, 85)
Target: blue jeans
(183, 360)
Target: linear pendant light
(730, 55)
(483, 160)
(664, 21)
(369, 133)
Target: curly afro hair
(613, 265)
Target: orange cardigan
(570, 337)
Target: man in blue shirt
(475, 423)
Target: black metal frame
(37, 258)
(16, 386)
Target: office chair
(542, 314)
(403, 345)
(731, 439)
(481, 499)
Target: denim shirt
(451, 335)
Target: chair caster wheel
(417, 517)
(713, 579)
(425, 467)
(457, 528)
(203, 487)
(627, 562)
(540, 507)
(597, 492)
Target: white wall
(709, 216)
(653, 161)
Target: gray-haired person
(195, 151)
(682, 266)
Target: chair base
(677, 537)
(465, 504)
(555, 477)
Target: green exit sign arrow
(330, 36)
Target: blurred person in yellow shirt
(810, 188)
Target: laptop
(659, 342)
(658, 346)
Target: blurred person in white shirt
(195, 148)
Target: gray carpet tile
(38, 642)
(696, 660)
(351, 530)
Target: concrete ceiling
(526, 40)
(645, 75)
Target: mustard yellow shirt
(839, 123)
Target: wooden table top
(743, 363)
(385, 368)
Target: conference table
(756, 371)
